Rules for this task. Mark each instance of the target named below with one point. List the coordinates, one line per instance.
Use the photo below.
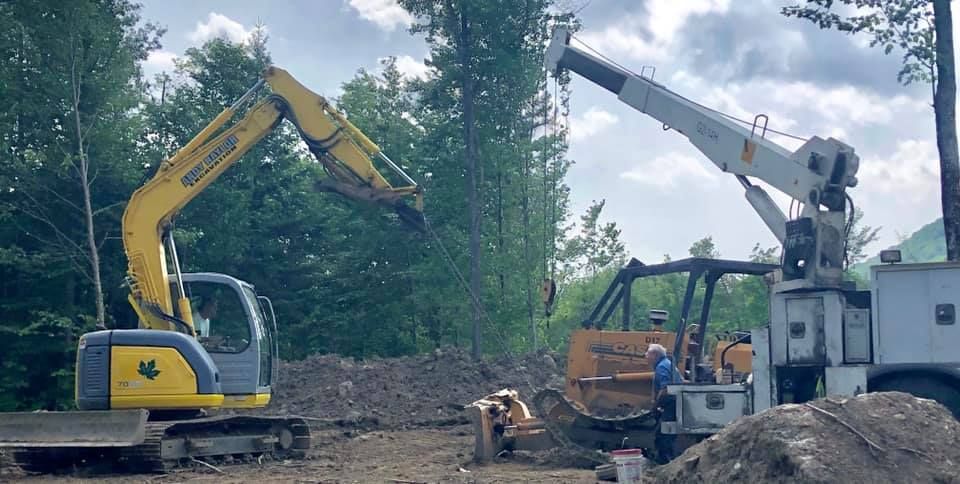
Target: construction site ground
(379, 420)
(426, 455)
(400, 421)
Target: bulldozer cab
(238, 329)
(607, 371)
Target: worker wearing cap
(664, 373)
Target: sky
(741, 57)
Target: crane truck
(824, 336)
(144, 396)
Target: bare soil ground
(399, 421)
(427, 455)
(380, 420)
(406, 391)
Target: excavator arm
(344, 152)
(816, 175)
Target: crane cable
(477, 304)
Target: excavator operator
(201, 318)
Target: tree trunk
(525, 208)
(500, 240)
(92, 243)
(472, 162)
(84, 173)
(944, 106)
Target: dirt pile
(413, 390)
(876, 438)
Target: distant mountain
(924, 245)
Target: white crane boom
(817, 174)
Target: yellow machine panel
(151, 377)
(144, 370)
(167, 402)
(258, 400)
(596, 353)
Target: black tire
(943, 390)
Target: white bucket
(629, 465)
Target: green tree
(456, 32)
(859, 236)
(482, 114)
(705, 248)
(70, 75)
(597, 246)
(923, 31)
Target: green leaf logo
(148, 369)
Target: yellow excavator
(205, 341)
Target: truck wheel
(942, 390)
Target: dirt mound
(414, 390)
(876, 438)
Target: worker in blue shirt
(664, 373)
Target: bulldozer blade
(115, 428)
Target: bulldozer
(164, 393)
(824, 335)
(607, 398)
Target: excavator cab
(230, 363)
(238, 329)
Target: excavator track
(170, 444)
(588, 436)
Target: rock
(549, 362)
(557, 382)
(345, 389)
(691, 463)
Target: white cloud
(617, 41)
(668, 16)
(846, 103)
(911, 173)
(218, 25)
(159, 61)
(387, 14)
(666, 170)
(592, 122)
(800, 108)
(410, 67)
(649, 38)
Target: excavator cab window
(218, 317)
(264, 336)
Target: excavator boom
(344, 152)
